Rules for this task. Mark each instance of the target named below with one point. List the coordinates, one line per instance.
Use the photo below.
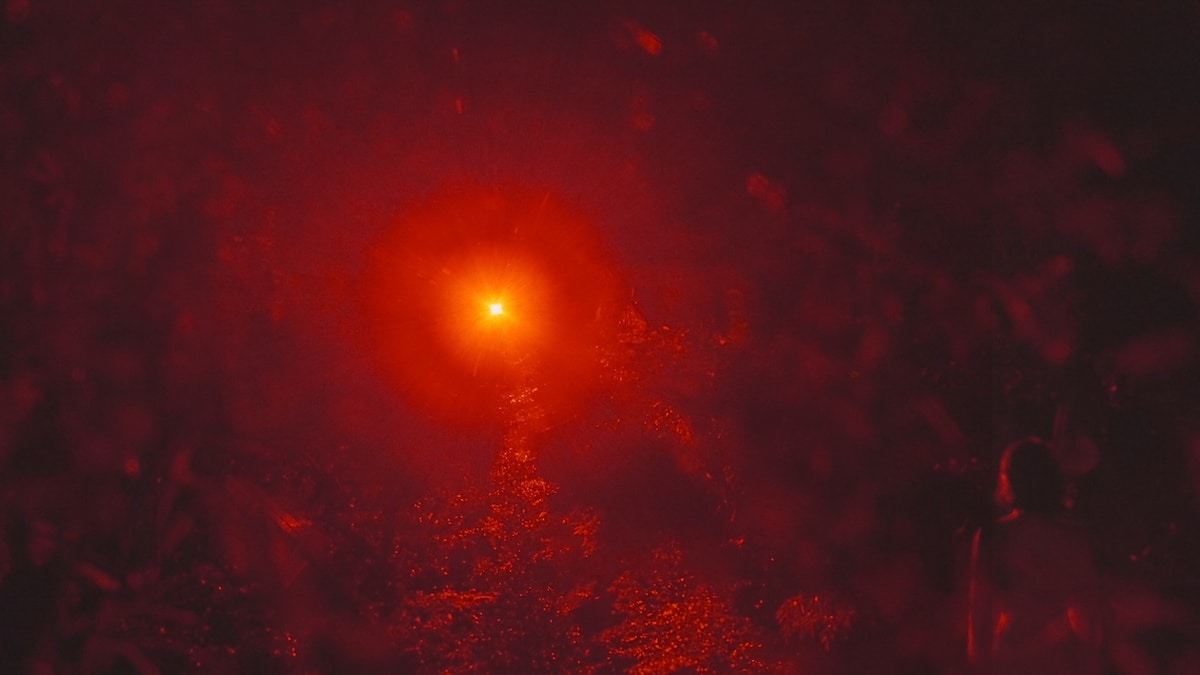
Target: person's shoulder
(1046, 532)
(1053, 541)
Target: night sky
(780, 282)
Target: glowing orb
(480, 291)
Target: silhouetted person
(1033, 595)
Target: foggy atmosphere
(599, 337)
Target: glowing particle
(496, 308)
(649, 42)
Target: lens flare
(482, 290)
(497, 308)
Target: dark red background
(860, 249)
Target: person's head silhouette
(1030, 478)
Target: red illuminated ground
(464, 337)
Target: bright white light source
(496, 309)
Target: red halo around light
(478, 292)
